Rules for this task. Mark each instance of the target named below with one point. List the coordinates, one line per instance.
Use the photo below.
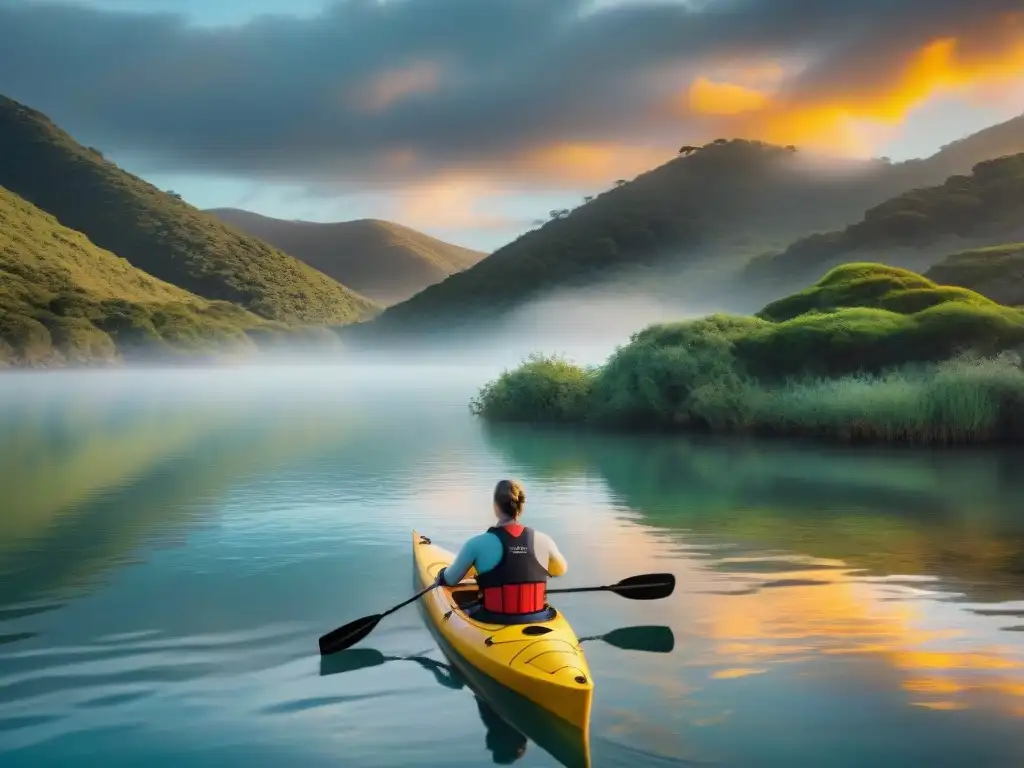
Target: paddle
(648, 586)
(350, 634)
(652, 639)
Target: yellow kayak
(541, 661)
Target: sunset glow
(835, 122)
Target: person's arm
(556, 565)
(456, 572)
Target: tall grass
(957, 402)
(961, 401)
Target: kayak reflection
(504, 742)
(497, 705)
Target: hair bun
(510, 497)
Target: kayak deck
(542, 661)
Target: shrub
(541, 389)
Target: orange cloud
(839, 121)
(749, 99)
(448, 201)
(587, 163)
(713, 98)
(392, 86)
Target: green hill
(729, 197)
(64, 300)
(996, 272)
(914, 229)
(380, 259)
(159, 233)
(714, 207)
(868, 352)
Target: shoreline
(764, 434)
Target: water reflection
(506, 742)
(97, 466)
(953, 514)
(897, 567)
(83, 495)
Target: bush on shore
(868, 354)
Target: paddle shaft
(351, 633)
(607, 588)
(412, 599)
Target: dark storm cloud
(485, 79)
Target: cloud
(392, 86)
(713, 98)
(449, 202)
(536, 92)
(836, 118)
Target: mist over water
(174, 541)
(583, 324)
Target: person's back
(513, 562)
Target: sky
(471, 119)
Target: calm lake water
(173, 543)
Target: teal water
(172, 543)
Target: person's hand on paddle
(439, 581)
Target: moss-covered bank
(869, 353)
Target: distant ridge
(384, 261)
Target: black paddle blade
(653, 639)
(649, 586)
(348, 635)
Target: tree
(588, 198)
(720, 142)
(687, 149)
(620, 182)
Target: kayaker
(513, 562)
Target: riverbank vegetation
(869, 353)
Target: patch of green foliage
(555, 388)
(159, 233)
(987, 204)
(64, 301)
(996, 272)
(869, 352)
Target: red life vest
(518, 583)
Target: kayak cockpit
(467, 600)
